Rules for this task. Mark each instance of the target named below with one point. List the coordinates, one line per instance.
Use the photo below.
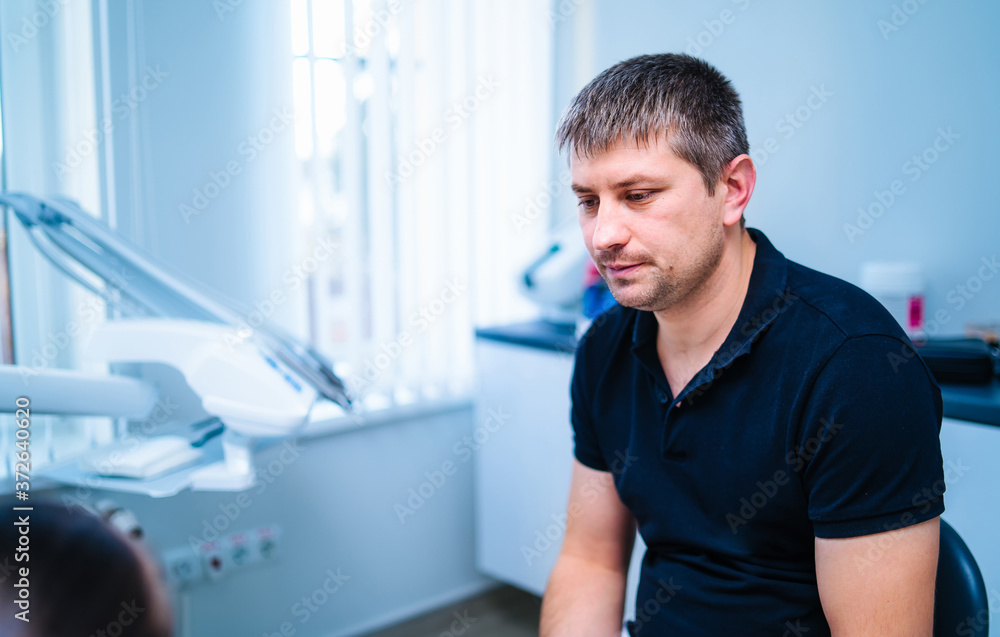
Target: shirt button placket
(668, 450)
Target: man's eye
(588, 204)
(640, 196)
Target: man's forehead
(621, 165)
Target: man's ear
(738, 179)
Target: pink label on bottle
(915, 312)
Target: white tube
(70, 393)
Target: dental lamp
(555, 279)
(259, 384)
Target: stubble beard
(659, 290)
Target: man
(781, 462)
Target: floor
(501, 612)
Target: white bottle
(899, 286)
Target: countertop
(975, 403)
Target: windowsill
(327, 419)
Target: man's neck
(688, 335)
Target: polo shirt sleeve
(586, 446)
(868, 446)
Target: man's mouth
(622, 269)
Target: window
(422, 132)
(423, 143)
(52, 67)
(6, 335)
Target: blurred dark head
(84, 577)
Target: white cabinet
(523, 468)
(972, 501)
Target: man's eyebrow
(631, 181)
(621, 185)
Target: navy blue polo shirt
(814, 419)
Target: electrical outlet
(268, 542)
(241, 550)
(214, 559)
(185, 565)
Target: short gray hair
(677, 96)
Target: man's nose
(610, 229)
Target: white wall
(336, 505)
(129, 108)
(890, 95)
(218, 75)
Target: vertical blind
(423, 129)
(49, 85)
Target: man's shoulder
(833, 305)
(845, 333)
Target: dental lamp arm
(88, 251)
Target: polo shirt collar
(766, 298)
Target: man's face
(649, 224)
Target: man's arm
(881, 584)
(585, 595)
